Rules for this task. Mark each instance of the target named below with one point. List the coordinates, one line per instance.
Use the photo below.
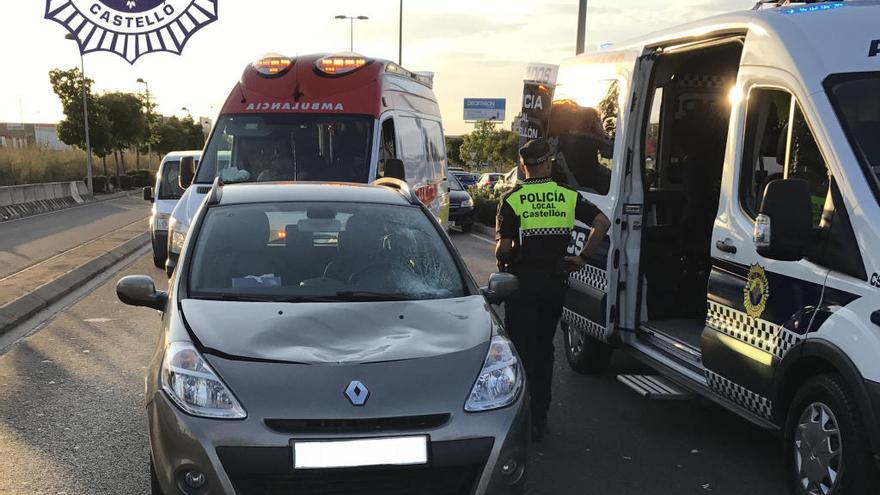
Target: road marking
(484, 239)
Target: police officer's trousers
(531, 317)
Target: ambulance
(738, 158)
(340, 117)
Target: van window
(413, 150)
(859, 113)
(652, 138)
(584, 123)
(779, 144)
(248, 148)
(169, 185)
(436, 147)
(388, 145)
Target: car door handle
(726, 245)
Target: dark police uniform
(538, 216)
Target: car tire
(824, 414)
(467, 228)
(158, 261)
(155, 489)
(585, 354)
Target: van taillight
(427, 194)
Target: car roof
(180, 154)
(276, 192)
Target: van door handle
(726, 245)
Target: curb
(19, 310)
(484, 230)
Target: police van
(738, 158)
(341, 117)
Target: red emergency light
(342, 63)
(273, 65)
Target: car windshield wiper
(266, 298)
(365, 295)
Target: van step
(655, 387)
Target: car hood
(357, 332)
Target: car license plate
(396, 451)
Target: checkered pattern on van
(589, 327)
(758, 404)
(700, 81)
(593, 276)
(756, 332)
(553, 231)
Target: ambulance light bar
(424, 78)
(341, 63)
(273, 65)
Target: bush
(99, 183)
(141, 178)
(485, 205)
(124, 182)
(37, 165)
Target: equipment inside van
(737, 158)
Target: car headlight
(467, 203)
(500, 380)
(176, 236)
(194, 387)
(161, 222)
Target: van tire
(587, 356)
(159, 262)
(856, 470)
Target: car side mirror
(139, 290)
(187, 171)
(395, 169)
(501, 286)
(148, 194)
(784, 227)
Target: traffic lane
(72, 417)
(603, 438)
(473, 248)
(30, 240)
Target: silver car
(326, 338)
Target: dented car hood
(344, 332)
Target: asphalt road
(30, 240)
(72, 420)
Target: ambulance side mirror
(395, 169)
(784, 227)
(501, 286)
(187, 171)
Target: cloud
(454, 25)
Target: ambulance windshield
(281, 147)
(854, 98)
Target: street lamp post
(85, 118)
(149, 125)
(582, 27)
(400, 36)
(351, 27)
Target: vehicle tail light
(273, 65)
(427, 194)
(342, 63)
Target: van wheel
(585, 354)
(155, 489)
(826, 448)
(159, 262)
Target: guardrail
(31, 199)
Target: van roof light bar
(423, 78)
(400, 186)
(772, 4)
(216, 193)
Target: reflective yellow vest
(544, 208)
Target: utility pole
(400, 37)
(582, 26)
(85, 117)
(149, 125)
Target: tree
(69, 85)
(490, 145)
(129, 124)
(176, 134)
(453, 150)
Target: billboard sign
(542, 73)
(484, 109)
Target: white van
(739, 160)
(164, 196)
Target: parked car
(164, 196)
(489, 179)
(461, 205)
(357, 356)
(508, 181)
(467, 179)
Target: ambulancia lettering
(874, 50)
(296, 106)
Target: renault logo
(357, 393)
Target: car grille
(358, 425)
(450, 480)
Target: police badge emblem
(132, 28)
(756, 292)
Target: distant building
(31, 136)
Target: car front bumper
(466, 455)
(461, 215)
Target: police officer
(533, 233)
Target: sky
(476, 48)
